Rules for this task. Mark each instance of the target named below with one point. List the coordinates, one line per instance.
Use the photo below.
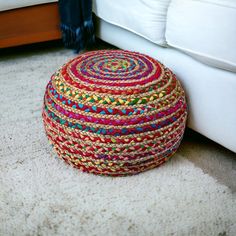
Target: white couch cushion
(145, 18)
(206, 29)
(12, 4)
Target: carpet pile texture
(192, 194)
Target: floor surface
(192, 194)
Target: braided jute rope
(114, 112)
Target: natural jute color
(114, 112)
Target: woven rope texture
(114, 112)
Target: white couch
(194, 38)
(14, 4)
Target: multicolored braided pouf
(114, 112)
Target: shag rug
(192, 194)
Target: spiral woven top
(115, 105)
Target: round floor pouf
(114, 112)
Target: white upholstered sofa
(194, 38)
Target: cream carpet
(193, 194)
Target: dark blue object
(76, 23)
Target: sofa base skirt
(211, 92)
